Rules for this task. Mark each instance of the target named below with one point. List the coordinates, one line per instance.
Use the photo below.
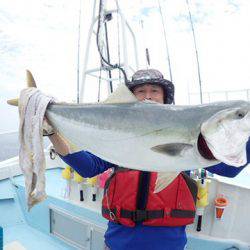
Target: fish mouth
(203, 148)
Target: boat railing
(212, 96)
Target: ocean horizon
(10, 144)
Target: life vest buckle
(139, 215)
(112, 216)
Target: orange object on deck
(220, 203)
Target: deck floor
(32, 239)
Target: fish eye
(240, 114)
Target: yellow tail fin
(30, 83)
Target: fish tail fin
(30, 79)
(30, 83)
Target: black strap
(143, 215)
(143, 190)
(191, 185)
(177, 213)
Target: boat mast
(101, 21)
(108, 17)
(78, 54)
(106, 65)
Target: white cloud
(43, 36)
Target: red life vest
(173, 206)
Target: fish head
(226, 134)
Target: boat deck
(15, 227)
(33, 229)
(32, 238)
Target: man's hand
(47, 128)
(60, 145)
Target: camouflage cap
(153, 76)
(147, 74)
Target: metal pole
(108, 56)
(87, 52)
(78, 55)
(124, 38)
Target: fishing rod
(145, 46)
(166, 42)
(196, 50)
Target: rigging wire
(101, 20)
(99, 82)
(166, 42)
(100, 74)
(196, 50)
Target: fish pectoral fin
(121, 95)
(172, 149)
(163, 180)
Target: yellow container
(202, 196)
(78, 178)
(66, 173)
(92, 181)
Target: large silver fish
(156, 137)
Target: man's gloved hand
(47, 128)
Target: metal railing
(213, 96)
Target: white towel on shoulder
(32, 107)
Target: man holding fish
(149, 199)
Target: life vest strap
(177, 213)
(143, 215)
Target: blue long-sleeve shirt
(140, 237)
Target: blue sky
(42, 36)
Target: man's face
(149, 92)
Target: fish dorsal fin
(121, 95)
